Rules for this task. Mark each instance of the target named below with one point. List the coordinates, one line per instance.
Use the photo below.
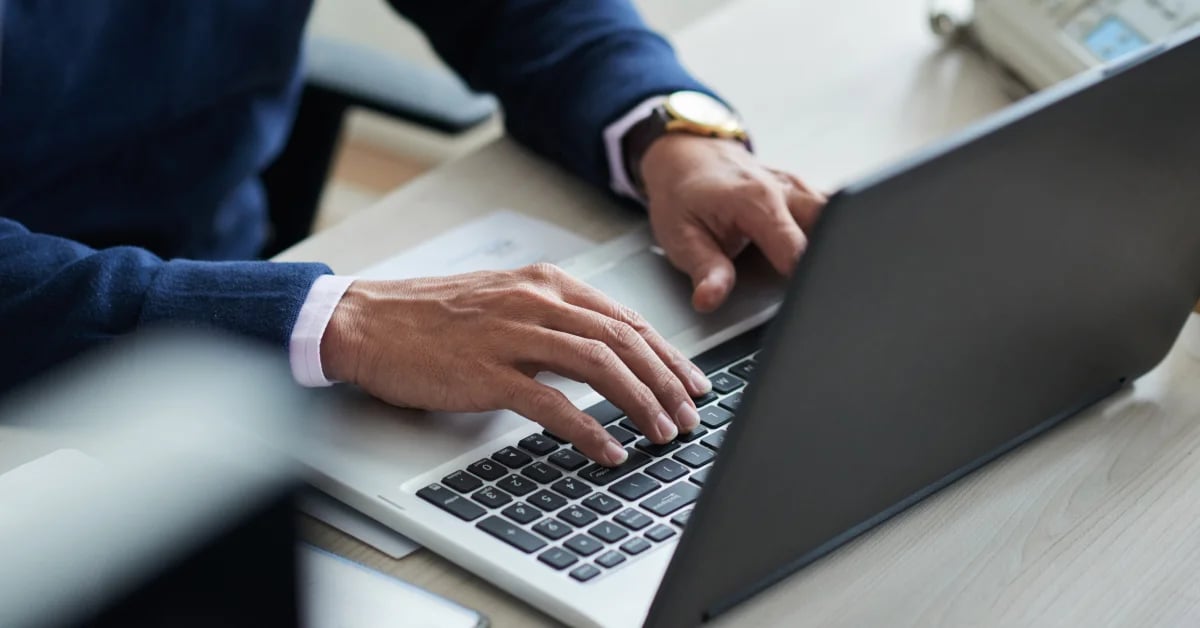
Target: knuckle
(624, 336)
(666, 380)
(596, 353)
(544, 400)
(543, 271)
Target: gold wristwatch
(688, 112)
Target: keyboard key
(732, 402)
(608, 532)
(695, 456)
(714, 440)
(693, 435)
(657, 450)
(521, 513)
(512, 457)
(552, 529)
(745, 369)
(558, 558)
(571, 488)
(487, 469)
(725, 383)
(699, 477)
(611, 559)
(635, 546)
(511, 534)
(634, 487)
(604, 412)
(622, 435)
(462, 481)
(667, 470)
(541, 472)
(492, 497)
(681, 519)
(567, 459)
(583, 573)
(577, 516)
(671, 499)
(715, 417)
(546, 500)
(633, 519)
(452, 503)
(551, 436)
(585, 545)
(517, 485)
(660, 533)
(631, 426)
(600, 475)
(538, 444)
(602, 503)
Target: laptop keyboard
(548, 501)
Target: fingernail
(687, 416)
(700, 381)
(666, 427)
(615, 453)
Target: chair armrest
(394, 86)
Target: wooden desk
(1092, 524)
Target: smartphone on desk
(336, 592)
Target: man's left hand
(710, 198)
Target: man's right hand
(472, 343)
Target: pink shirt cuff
(620, 181)
(304, 347)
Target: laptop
(947, 310)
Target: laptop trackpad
(649, 284)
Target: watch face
(701, 109)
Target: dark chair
(341, 75)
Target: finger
(770, 224)
(551, 409)
(596, 364)
(580, 294)
(693, 250)
(634, 349)
(803, 202)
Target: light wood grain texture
(1093, 524)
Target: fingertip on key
(615, 453)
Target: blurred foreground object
(173, 505)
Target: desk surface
(1092, 524)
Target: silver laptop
(948, 310)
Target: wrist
(674, 157)
(342, 341)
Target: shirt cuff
(613, 134)
(304, 348)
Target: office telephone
(1041, 42)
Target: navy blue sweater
(132, 133)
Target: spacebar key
(511, 534)
(600, 476)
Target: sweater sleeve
(562, 69)
(59, 298)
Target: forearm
(59, 298)
(563, 69)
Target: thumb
(696, 252)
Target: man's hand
(710, 198)
(475, 342)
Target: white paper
(501, 240)
(339, 593)
(357, 525)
